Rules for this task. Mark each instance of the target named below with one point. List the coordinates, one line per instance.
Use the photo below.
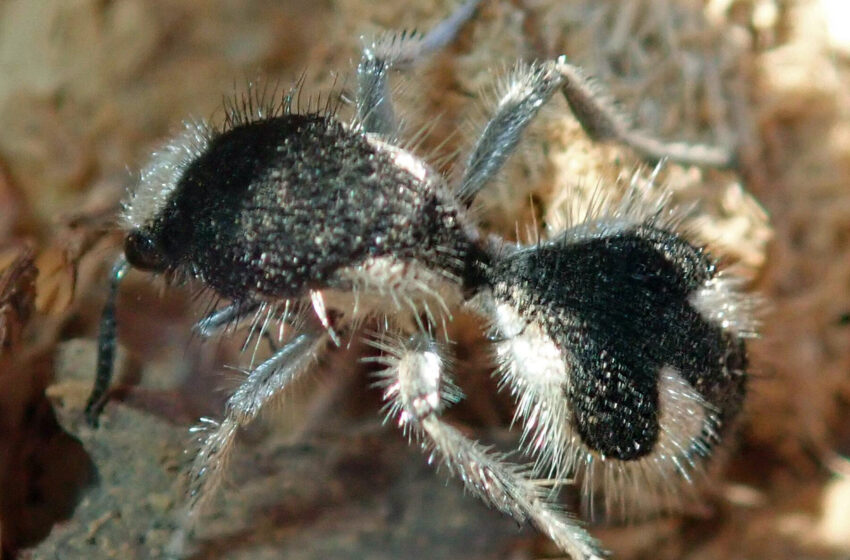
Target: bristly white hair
(642, 200)
(160, 176)
(532, 369)
(723, 302)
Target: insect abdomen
(619, 307)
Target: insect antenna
(106, 346)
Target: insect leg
(530, 87)
(221, 318)
(602, 121)
(395, 50)
(263, 384)
(527, 90)
(416, 389)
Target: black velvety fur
(277, 207)
(618, 308)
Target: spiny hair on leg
(401, 353)
(417, 388)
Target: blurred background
(89, 88)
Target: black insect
(620, 340)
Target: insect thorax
(277, 207)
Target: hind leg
(417, 390)
(532, 86)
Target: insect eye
(144, 253)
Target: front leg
(220, 319)
(262, 385)
(417, 390)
